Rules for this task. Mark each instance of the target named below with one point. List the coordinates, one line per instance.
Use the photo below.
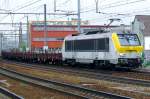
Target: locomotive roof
(105, 32)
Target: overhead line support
(38, 13)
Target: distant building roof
(145, 19)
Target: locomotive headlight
(122, 54)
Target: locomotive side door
(73, 50)
(106, 49)
(95, 51)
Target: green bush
(147, 63)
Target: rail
(89, 74)
(70, 89)
(9, 94)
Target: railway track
(142, 71)
(9, 94)
(74, 90)
(89, 74)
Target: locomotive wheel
(73, 63)
(92, 66)
(96, 63)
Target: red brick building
(56, 32)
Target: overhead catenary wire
(10, 11)
(5, 10)
(99, 7)
(117, 5)
(63, 3)
(21, 5)
(101, 12)
(89, 6)
(115, 14)
(33, 9)
(56, 8)
(27, 5)
(106, 13)
(37, 13)
(122, 4)
(66, 2)
(121, 14)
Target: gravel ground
(29, 91)
(137, 92)
(2, 96)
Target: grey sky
(126, 9)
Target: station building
(55, 33)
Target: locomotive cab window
(129, 39)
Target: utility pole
(54, 5)
(96, 1)
(79, 19)
(45, 29)
(78, 14)
(15, 42)
(20, 35)
(28, 32)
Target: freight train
(107, 49)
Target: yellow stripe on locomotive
(125, 49)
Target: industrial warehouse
(74, 49)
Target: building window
(48, 39)
(39, 28)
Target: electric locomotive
(103, 49)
